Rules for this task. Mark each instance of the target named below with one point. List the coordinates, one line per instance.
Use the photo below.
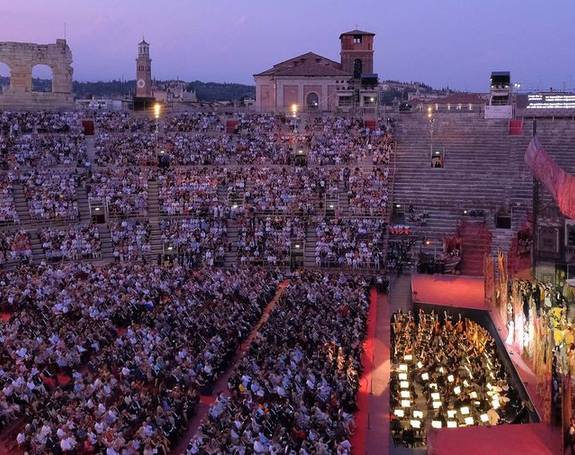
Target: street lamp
(294, 110)
(157, 110)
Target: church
(310, 82)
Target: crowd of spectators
(269, 240)
(15, 246)
(8, 213)
(130, 239)
(191, 192)
(131, 149)
(295, 390)
(17, 123)
(350, 242)
(122, 122)
(111, 359)
(124, 190)
(288, 190)
(42, 150)
(76, 242)
(195, 241)
(368, 191)
(188, 122)
(51, 194)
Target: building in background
(171, 92)
(144, 97)
(310, 82)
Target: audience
(295, 390)
(350, 242)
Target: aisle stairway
(476, 244)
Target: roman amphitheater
(211, 281)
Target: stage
(467, 294)
(449, 290)
(525, 439)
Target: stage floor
(449, 290)
(525, 439)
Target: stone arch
(22, 58)
(5, 72)
(42, 76)
(312, 101)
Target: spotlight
(403, 376)
(484, 418)
(436, 424)
(399, 413)
(469, 420)
(451, 424)
(464, 410)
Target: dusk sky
(440, 42)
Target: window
(4, 77)
(42, 77)
(437, 159)
(570, 233)
(548, 239)
(357, 39)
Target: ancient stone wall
(21, 58)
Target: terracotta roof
(357, 32)
(308, 64)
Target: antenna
(65, 27)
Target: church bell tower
(143, 71)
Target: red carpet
(449, 290)
(207, 399)
(63, 379)
(5, 317)
(358, 439)
(527, 439)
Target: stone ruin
(20, 59)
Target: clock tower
(143, 71)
